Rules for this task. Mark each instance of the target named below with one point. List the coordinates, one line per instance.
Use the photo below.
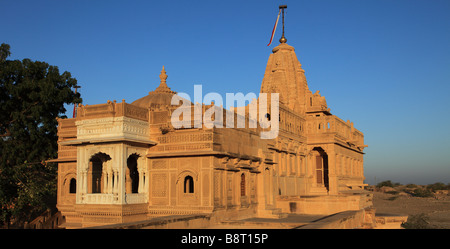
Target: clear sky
(383, 64)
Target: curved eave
(78, 142)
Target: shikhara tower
(121, 162)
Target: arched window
(73, 186)
(188, 184)
(132, 175)
(96, 175)
(95, 172)
(242, 184)
(321, 159)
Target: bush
(437, 186)
(418, 192)
(388, 183)
(418, 221)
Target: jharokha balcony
(334, 129)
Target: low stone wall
(390, 221)
(357, 219)
(195, 221)
(343, 220)
(327, 204)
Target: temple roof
(162, 95)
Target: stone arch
(321, 168)
(188, 188)
(188, 182)
(66, 186)
(95, 172)
(132, 174)
(188, 185)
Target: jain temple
(122, 162)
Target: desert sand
(436, 208)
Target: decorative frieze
(112, 127)
(100, 198)
(136, 198)
(185, 138)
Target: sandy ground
(437, 209)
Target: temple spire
(283, 39)
(163, 76)
(163, 85)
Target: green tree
(32, 97)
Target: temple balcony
(334, 128)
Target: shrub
(387, 183)
(418, 192)
(418, 221)
(436, 186)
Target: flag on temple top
(274, 28)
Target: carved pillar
(84, 181)
(110, 181)
(116, 181)
(104, 187)
(332, 173)
(141, 181)
(141, 167)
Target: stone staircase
(47, 220)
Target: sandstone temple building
(123, 162)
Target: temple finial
(163, 85)
(163, 77)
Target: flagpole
(283, 39)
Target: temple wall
(180, 185)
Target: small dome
(154, 99)
(162, 95)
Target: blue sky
(383, 64)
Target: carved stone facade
(121, 162)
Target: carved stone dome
(162, 95)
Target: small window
(73, 186)
(189, 184)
